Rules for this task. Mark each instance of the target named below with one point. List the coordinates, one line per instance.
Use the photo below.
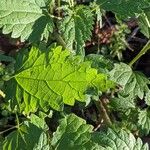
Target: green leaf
(123, 103)
(144, 120)
(147, 98)
(24, 18)
(144, 23)
(100, 62)
(40, 3)
(134, 83)
(39, 122)
(76, 28)
(119, 140)
(73, 133)
(53, 79)
(27, 137)
(6, 58)
(124, 8)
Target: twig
(59, 39)
(127, 45)
(137, 39)
(133, 33)
(99, 125)
(109, 23)
(14, 127)
(59, 4)
(103, 111)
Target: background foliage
(68, 85)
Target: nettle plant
(50, 76)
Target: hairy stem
(51, 6)
(14, 127)
(141, 53)
(59, 39)
(11, 128)
(103, 111)
(58, 1)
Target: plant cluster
(56, 95)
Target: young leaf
(144, 120)
(76, 28)
(144, 23)
(124, 8)
(27, 137)
(134, 83)
(73, 133)
(24, 18)
(52, 79)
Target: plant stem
(58, 1)
(11, 128)
(103, 112)
(14, 127)
(51, 6)
(2, 94)
(59, 39)
(141, 53)
(71, 3)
